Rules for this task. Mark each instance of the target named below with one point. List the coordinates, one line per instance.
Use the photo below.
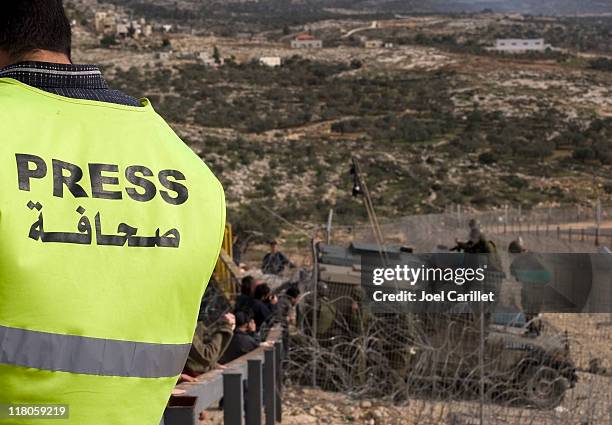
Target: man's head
(293, 293)
(247, 285)
(262, 292)
(273, 246)
(243, 320)
(34, 30)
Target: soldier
(473, 236)
(326, 312)
(532, 293)
(274, 262)
(516, 246)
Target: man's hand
(186, 378)
(231, 319)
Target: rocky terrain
(434, 119)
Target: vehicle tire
(544, 387)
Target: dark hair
(28, 25)
(242, 318)
(261, 291)
(246, 284)
(293, 292)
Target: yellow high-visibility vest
(110, 227)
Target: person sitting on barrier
(264, 305)
(243, 341)
(209, 344)
(244, 301)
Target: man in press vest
(110, 227)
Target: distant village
(114, 26)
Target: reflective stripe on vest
(91, 356)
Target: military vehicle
(517, 361)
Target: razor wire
(432, 365)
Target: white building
(518, 45)
(164, 56)
(105, 22)
(373, 44)
(306, 41)
(272, 61)
(122, 30)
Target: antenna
(361, 188)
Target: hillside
(435, 120)
(315, 7)
(536, 7)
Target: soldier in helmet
(474, 235)
(517, 246)
(532, 294)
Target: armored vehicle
(514, 360)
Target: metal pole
(254, 392)
(505, 218)
(548, 218)
(598, 224)
(278, 346)
(481, 362)
(269, 383)
(315, 301)
(369, 206)
(232, 398)
(329, 225)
